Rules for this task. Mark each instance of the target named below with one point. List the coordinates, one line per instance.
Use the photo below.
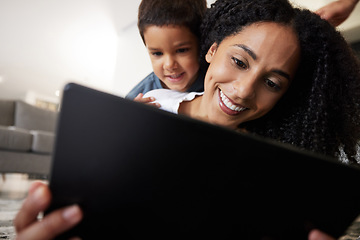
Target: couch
(26, 138)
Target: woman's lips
(228, 106)
(175, 77)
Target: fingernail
(39, 193)
(72, 214)
(33, 186)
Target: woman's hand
(318, 235)
(149, 100)
(28, 227)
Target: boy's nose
(170, 63)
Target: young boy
(170, 32)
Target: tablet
(139, 172)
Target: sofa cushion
(7, 109)
(34, 118)
(42, 141)
(16, 139)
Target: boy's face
(174, 54)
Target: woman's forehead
(266, 32)
(273, 43)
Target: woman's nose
(245, 88)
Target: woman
(273, 70)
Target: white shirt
(170, 99)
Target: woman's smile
(228, 106)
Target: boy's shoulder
(149, 83)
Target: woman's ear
(211, 52)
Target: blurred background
(47, 43)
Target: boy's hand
(149, 100)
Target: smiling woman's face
(248, 73)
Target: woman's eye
(157, 54)
(182, 50)
(240, 63)
(272, 85)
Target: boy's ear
(211, 52)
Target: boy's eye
(182, 50)
(272, 85)
(157, 54)
(239, 63)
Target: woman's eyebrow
(247, 49)
(282, 73)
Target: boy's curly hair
(320, 111)
(188, 13)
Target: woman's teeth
(229, 105)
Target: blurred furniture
(26, 138)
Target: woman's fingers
(52, 225)
(38, 200)
(319, 235)
(28, 227)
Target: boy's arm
(139, 88)
(146, 85)
(135, 92)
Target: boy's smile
(175, 77)
(174, 54)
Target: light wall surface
(47, 43)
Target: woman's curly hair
(320, 111)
